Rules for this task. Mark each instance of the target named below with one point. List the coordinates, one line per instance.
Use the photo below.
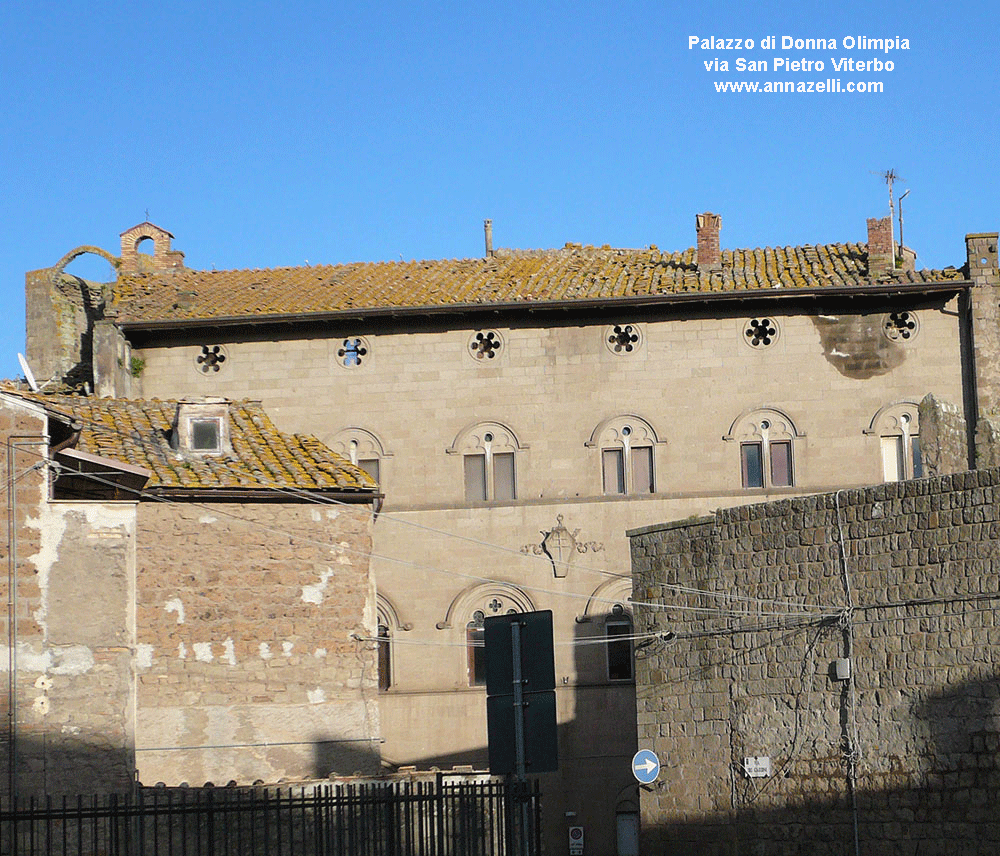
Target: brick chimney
(880, 246)
(707, 227)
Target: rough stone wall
(115, 373)
(981, 252)
(943, 438)
(907, 752)
(72, 678)
(247, 662)
(58, 326)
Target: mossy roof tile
(509, 277)
(263, 458)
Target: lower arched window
(384, 658)
(618, 632)
(475, 646)
(898, 430)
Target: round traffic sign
(645, 766)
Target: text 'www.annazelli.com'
(832, 85)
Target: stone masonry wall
(944, 444)
(73, 680)
(906, 754)
(248, 664)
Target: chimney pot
(488, 229)
(707, 228)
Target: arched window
(475, 648)
(618, 633)
(384, 657)
(898, 428)
(471, 607)
(766, 439)
(388, 624)
(627, 455)
(363, 449)
(488, 451)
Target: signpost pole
(520, 778)
(515, 640)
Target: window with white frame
(489, 462)
(766, 449)
(489, 475)
(898, 430)
(201, 426)
(627, 446)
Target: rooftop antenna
(29, 376)
(901, 198)
(890, 177)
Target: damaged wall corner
(943, 445)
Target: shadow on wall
(57, 765)
(949, 807)
(52, 765)
(345, 759)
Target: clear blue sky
(266, 134)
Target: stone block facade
(752, 616)
(250, 655)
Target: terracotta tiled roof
(509, 277)
(139, 432)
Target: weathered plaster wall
(247, 664)
(73, 674)
(746, 670)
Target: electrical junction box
(576, 841)
(842, 668)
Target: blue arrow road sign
(645, 766)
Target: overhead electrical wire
(316, 497)
(818, 612)
(320, 499)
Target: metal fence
(429, 818)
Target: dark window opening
(618, 630)
(384, 659)
(752, 462)
(205, 435)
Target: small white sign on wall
(757, 768)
